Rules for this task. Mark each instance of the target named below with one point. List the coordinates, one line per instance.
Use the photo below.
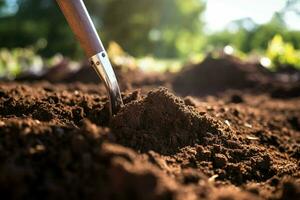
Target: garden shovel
(81, 24)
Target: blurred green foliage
(255, 38)
(168, 28)
(272, 39)
(13, 62)
(282, 54)
(160, 28)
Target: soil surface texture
(58, 142)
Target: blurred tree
(260, 36)
(165, 28)
(38, 23)
(2, 3)
(162, 28)
(237, 35)
(254, 37)
(291, 5)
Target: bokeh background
(159, 34)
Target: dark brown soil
(127, 78)
(56, 142)
(215, 76)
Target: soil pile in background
(286, 91)
(216, 75)
(128, 78)
(56, 142)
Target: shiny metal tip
(100, 62)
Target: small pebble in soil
(227, 122)
(236, 99)
(247, 125)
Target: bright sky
(221, 12)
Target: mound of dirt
(161, 122)
(127, 78)
(57, 143)
(216, 75)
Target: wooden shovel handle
(81, 24)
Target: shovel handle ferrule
(81, 24)
(103, 68)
